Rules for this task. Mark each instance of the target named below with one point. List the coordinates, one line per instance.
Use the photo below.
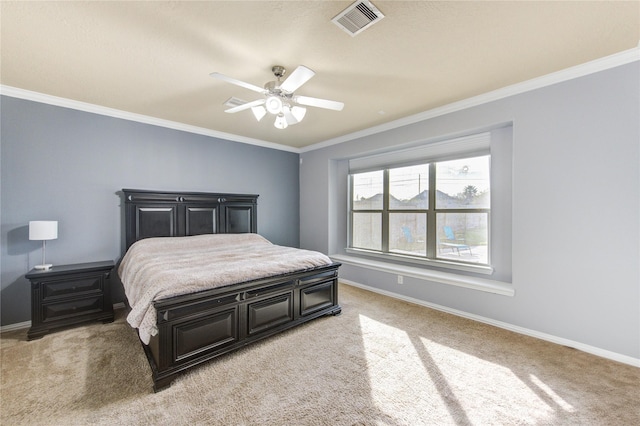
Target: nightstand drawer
(80, 285)
(68, 295)
(71, 308)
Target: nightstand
(67, 295)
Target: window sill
(475, 283)
(384, 257)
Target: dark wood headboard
(179, 214)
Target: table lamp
(43, 230)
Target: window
(431, 210)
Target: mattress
(163, 267)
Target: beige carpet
(382, 362)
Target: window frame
(431, 214)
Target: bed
(201, 282)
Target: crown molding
(601, 64)
(591, 67)
(145, 119)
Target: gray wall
(574, 211)
(67, 165)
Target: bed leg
(161, 384)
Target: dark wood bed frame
(196, 328)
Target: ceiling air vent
(357, 17)
(234, 102)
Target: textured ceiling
(154, 58)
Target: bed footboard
(195, 328)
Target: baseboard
(27, 324)
(613, 356)
(16, 326)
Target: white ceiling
(154, 58)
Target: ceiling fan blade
(320, 103)
(237, 82)
(298, 77)
(245, 106)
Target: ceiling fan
(279, 97)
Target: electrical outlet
(400, 279)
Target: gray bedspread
(159, 268)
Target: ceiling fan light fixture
(280, 122)
(298, 112)
(258, 112)
(274, 104)
(279, 98)
(288, 116)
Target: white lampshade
(280, 122)
(298, 112)
(43, 230)
(288, 117)
(258, 112)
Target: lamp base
(43, 267)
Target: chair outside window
(451, 241)
(407, 234)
